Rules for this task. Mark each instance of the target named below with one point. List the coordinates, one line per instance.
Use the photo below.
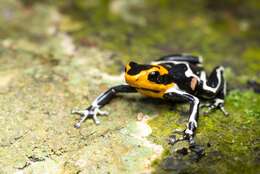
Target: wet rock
(198, 152)
(183, 151)
(174, 164)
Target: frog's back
(179, 63)
(188, 58)
(183, 70)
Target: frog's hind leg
(214, 87)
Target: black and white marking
(174, 92)
(99, 102)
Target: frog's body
(173, 78)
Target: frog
(173, 78)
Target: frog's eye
(153, 75)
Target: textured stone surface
(40, 83)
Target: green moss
(234, 138)
(163, 125)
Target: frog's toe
(184, 136)
(77, 125)
(210, 109)
(189, 136)
(217, 104)
(103, 113)
(84, 115)
(223, 110)
(96, 120)
(97, 112)
(82, 119)
(79, 112)
(173, 138)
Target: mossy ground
(56, 55)
(233, 139)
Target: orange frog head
(151, 78)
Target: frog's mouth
(151, 90)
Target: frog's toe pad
(80, 112)
(104, 113)
(172, 140)
(77, 125)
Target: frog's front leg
(94, 109)
(189, 132)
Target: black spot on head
(137, 68)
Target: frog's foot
(93, 112)
(217, 104)
(185, 135)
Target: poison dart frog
(178, 77)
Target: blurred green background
(224, 32)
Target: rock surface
(40, 83)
